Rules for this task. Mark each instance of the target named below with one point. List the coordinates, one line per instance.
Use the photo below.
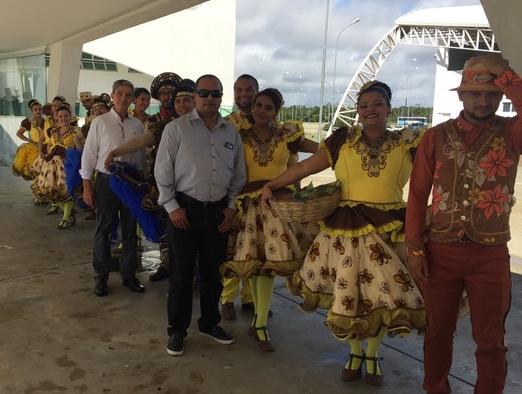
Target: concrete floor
(57, 336)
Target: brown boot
(227, 311)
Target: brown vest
(473, 186)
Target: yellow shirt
(48, 125)
(266, 160)
(66, 141)
(375, 175)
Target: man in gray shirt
(199, 170)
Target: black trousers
(107, 206)
(204, 238)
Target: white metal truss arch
(470, 38)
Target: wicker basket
(311, 210)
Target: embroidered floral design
(273, 232)
(263, 150)
(495, 162)
(404, 280)
(476, 172)
(259, 223)
(384, 287)
(399, 302)
(439, 200)
(355, 242)
(342, 284)
(374, 155)
(365, 306)
(324, 272)
(333, 274)
(378, 254)
(347, 262)
(498, 144)
(310, 275)
(365, 276)
(272, 249)
(348, 302)
(338, 246)
(314, 251)
(493, 201)
(455, 150)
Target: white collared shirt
(108, 132)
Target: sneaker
(228, 311)
(218, 335)
(175, 345)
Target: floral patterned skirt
(361, 280)
(261, 243)
(24, 158)
(49, 185)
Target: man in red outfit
(469, 164)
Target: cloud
(280, 42)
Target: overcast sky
(280, 42)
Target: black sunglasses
(205, 92)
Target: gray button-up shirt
(204, 164)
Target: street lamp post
(335, 55)
(321, 99)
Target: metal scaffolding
(469, 38)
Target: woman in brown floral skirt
(261, 244)
(355, 266)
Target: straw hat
(477, 78)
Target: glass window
(506, 107)
(21, 79)
(99, 66)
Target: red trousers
(484, 272)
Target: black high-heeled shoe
(265, 345)
(252, 328)
(371, 377)
(349, 374)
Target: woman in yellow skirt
(261, 244)
(28, 152)
(355, 266)
(50, 184)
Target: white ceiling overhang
(30, 26)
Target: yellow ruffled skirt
(50, 185)
(261, 243)
(24, 158)
(361, 280)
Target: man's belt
(186, 199)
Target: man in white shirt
(107, 132)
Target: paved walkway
(58, 337)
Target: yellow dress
(260, 242)
(355, 266)
(50, 184)
(27, 153)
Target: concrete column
(64, 71)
